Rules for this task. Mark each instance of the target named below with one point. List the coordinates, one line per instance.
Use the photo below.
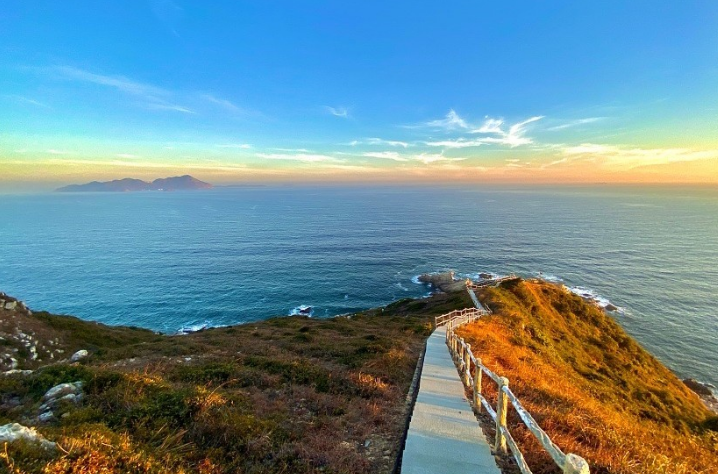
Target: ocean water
(168, 261)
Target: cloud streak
(340, 112)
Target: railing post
(477, 385)
(501, 409)
(467, 361)
(575, 465)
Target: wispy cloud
(26, 100)
(429, 158)
(575, 123)
(452, 121)
(170, 107)
(168, 13)
(341, 112)
(151, 97)
(302, 157)
(126, 155)
(379, 141)
(223, 103)
(495, 131)
(58, 152)
(625, 157)
(243, 146)
(385, 155)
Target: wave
(302, 310)
(593, 297)
(195, 326)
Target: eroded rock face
(15, 432)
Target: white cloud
(27, 100)
(385, 155)
(493, 129)
(452, 121)
(341, 112)
(628, 158)
(152, 97)
(490, 125)
(575, 123)
(223, 103)
(428, 158)
(243, 146)
(58, 152)
(303, 157)
(170, 107)
(379, 141)
(125, 155)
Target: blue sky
(267, 90)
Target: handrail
(464, 359)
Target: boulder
(61, 390)
(698, 387)
(11, 305)
(81, 354)
(15, 431)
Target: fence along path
(465, 361)
(443, 435)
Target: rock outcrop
(15, 432)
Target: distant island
(177, 183)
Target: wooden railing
(465, 361)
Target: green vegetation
(290, 394)
(590, 385)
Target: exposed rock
(46, 417)
(61, 390)
(442, 281)
(610, 307)
(15, 431)
(81, 354)
(17, 372)
(11, 305)
(486, 276)
(698, 387)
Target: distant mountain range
(177, 183)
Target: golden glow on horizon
(578, 164)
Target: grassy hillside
(590, 385)
(289, 395)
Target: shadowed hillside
(590, 385)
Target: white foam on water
(195, 326)
(401, 287)
(302, 310)
(549, 277)
(593, 297)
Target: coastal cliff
(302, 395)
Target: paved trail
(444, 436)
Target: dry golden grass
(287, 395)
(590, 386)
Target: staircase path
(444, 436)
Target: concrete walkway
(444, 435)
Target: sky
(238, 92)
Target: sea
(182, 261)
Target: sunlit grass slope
(590, 386)
(287, 395)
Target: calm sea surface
(170, 260)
